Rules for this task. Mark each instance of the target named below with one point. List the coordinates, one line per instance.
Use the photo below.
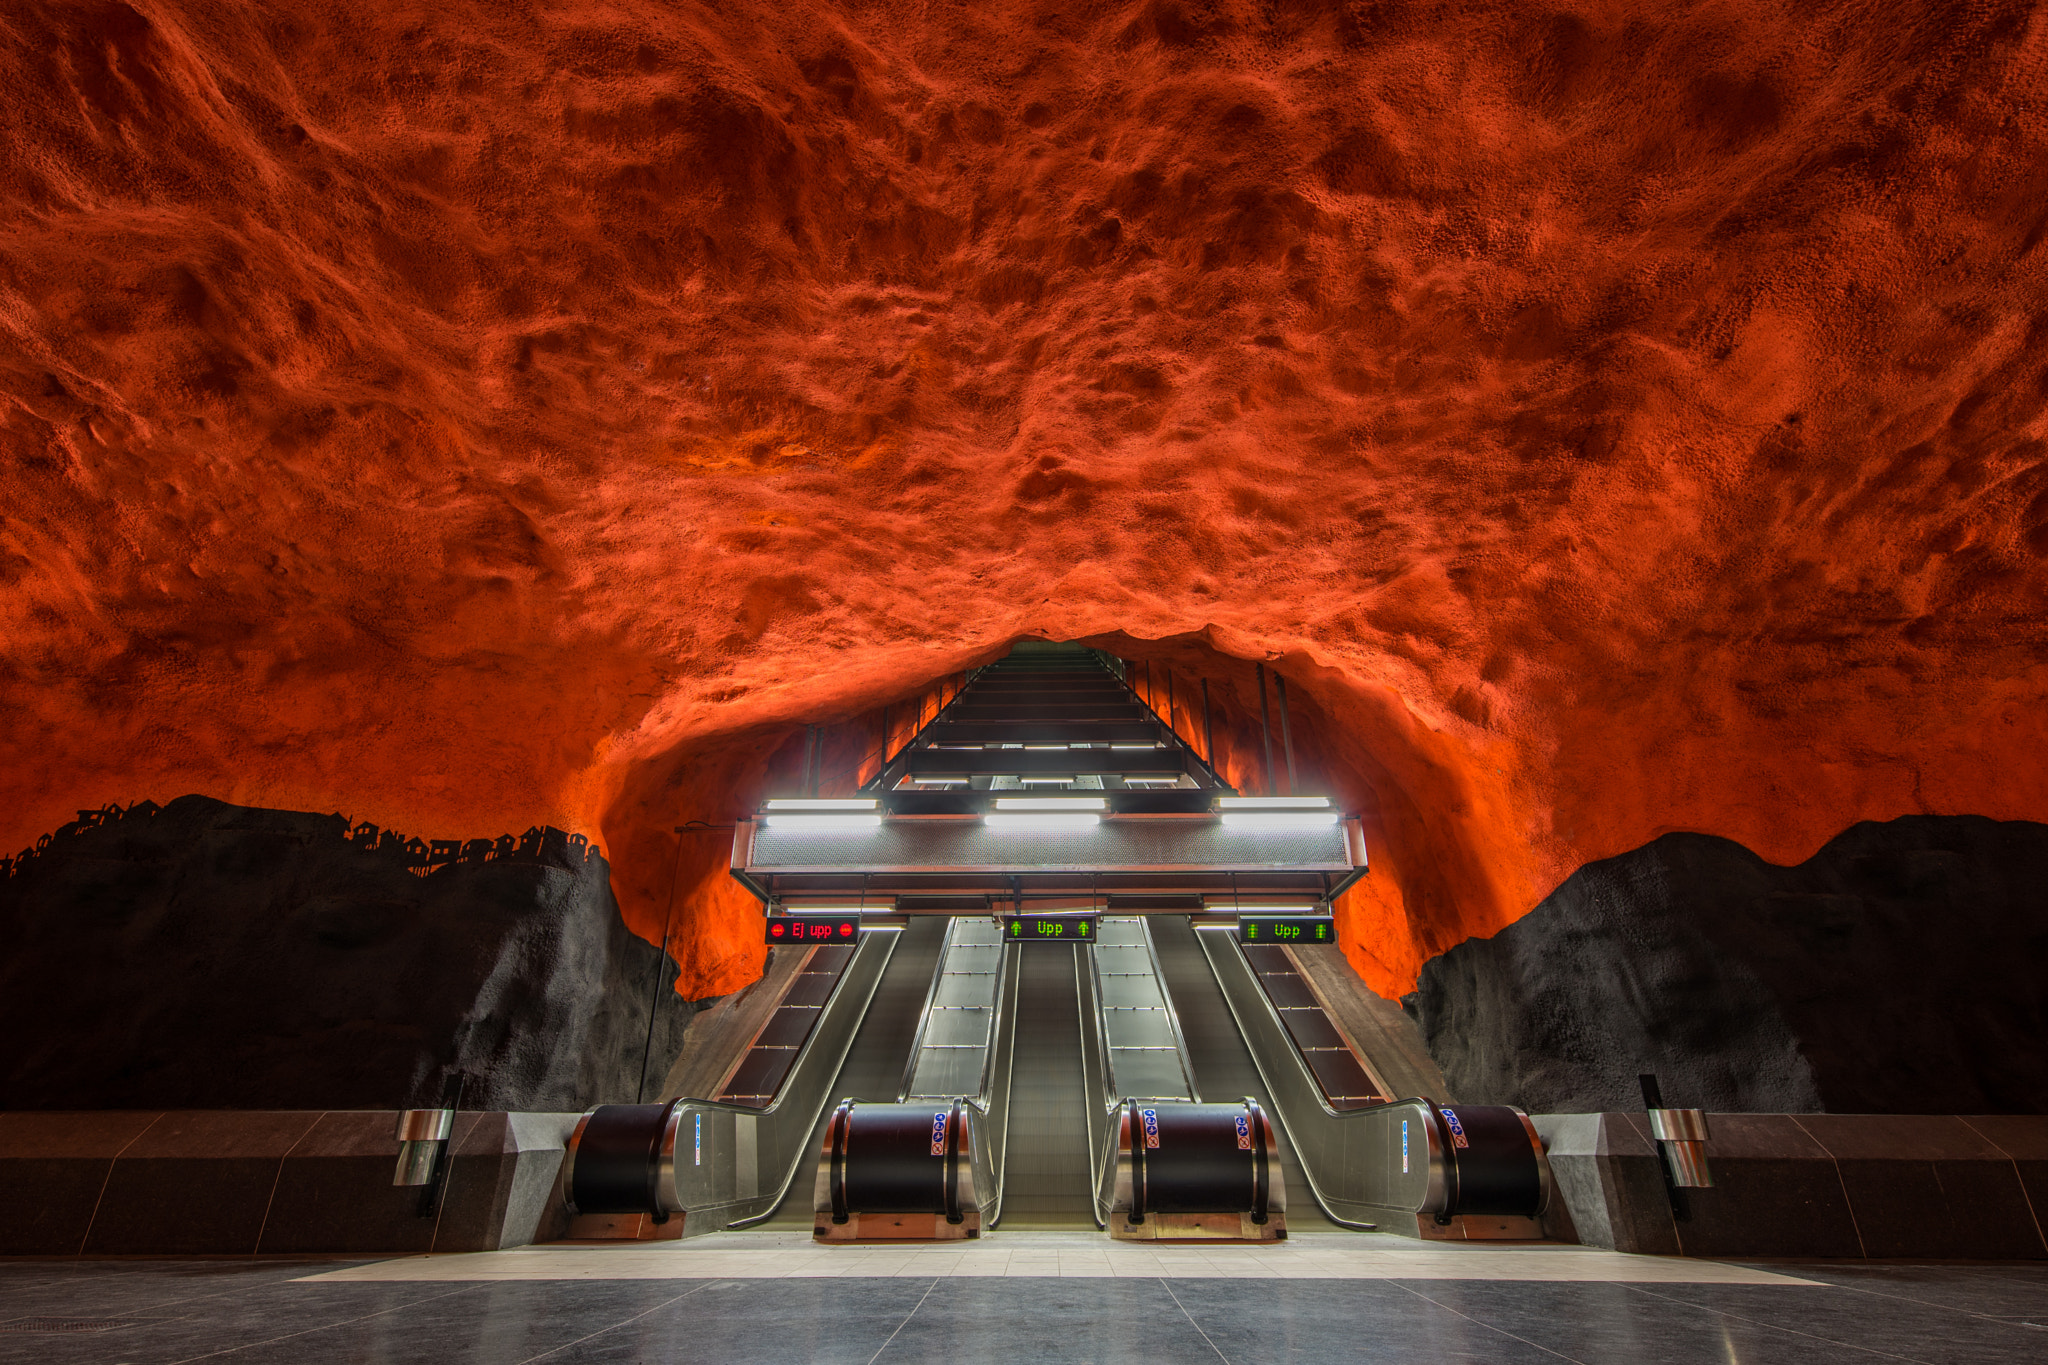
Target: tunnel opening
(918, 898)
(1447, 862)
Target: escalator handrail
(813, 1071)
(924, 1013)
(994, 1107)
(1097, 1103)
(1180, 1041)
(1304, 1084)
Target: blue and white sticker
(1244, 1132)
(1457, 1129)
(1404, 1146)
(939, 1122)
(1150, 1118)
(698, 1143)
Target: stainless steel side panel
(733, 1165)
(1363, 1166)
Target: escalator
(940, 1078)
(1046, 1177)
(1415, 1166)
(1223, 1066)
(873, 1068)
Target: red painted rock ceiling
(1611, 418)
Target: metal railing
(1362, 1165)
(1101, 1096)
(1096, 1101)
(1120, 670)
(735, 1165)
(991, 1100)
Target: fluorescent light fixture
(1046, 782)
(1224, 907)
(1037, 820)
(1126, 748)
(1067, 803)
(1273, 802)
(874, 907)
(1278, 819)
(811, 803)
(1043, 748)
(845, 822)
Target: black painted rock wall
(1902, 969)
(207, 955)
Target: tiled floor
(1064, 1255)
(1051, 1302)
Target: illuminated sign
(813, 928)
(1050, 928)
(1286, 929)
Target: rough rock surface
(216, 956)
(1897, 971)
(1616, 417)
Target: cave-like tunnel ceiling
(1611, 418)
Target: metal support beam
(1286, 735)
(1208, 731)
(1266, 729)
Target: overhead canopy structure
(1048, 780)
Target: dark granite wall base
(1876, 1186)
(218, 956)
(1900, 970)
(247, 1182)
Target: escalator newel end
(900, 1171)
(619, 1173)
(1197, 1171)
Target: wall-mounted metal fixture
(1681, 1143)
(425, 1148)
(421, 1134)
(1682, 1137)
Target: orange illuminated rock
(1612, 419)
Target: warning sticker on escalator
(1457, 1129)
(1244, 1133)
(1150, 1118)
(939, 1122)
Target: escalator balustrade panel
(1187, 1171)
(915, 1171)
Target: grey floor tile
(257, 1313)
(1039, 1322)
(2000, 1291)
(1367, 1320)
(239, 1321)
(759, 1322)
(483, 1323)
(1867, 1326)
(1613, 1324)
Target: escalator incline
(1223, 1066)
